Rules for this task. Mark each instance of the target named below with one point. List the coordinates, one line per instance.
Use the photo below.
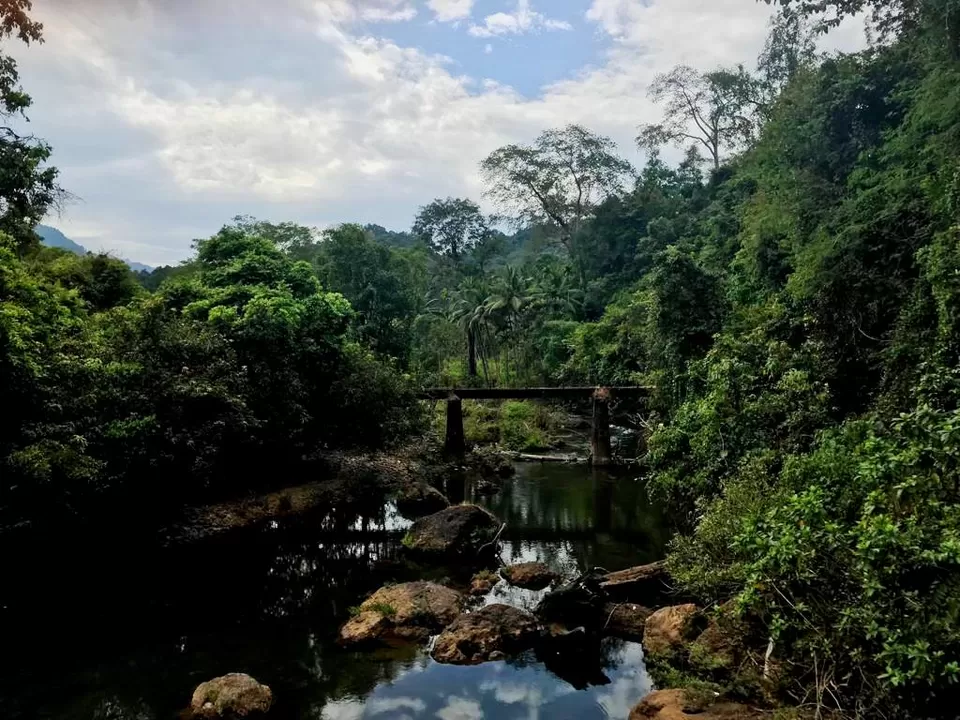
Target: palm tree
(508, 302)
(557, 291)
(469, 311)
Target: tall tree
(451, 226)
(557, 182)
(27, 188)
(714, 110)
(790, 46)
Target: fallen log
(644, 584)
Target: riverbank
(364, 482)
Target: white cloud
(170, 118)
(392, 705)
(344, 11)
(450, 10)
(460, 709)
(488, 49)
(522, 20)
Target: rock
(646, 584)
(579, 602)
(419, 499)
(680, 705)
(490, 633)
(667, 630)
(483, 582)
(411, 611)
(458, 530)
(626, 620)
(715, 649)
(530, 576)
(232, 696)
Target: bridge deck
(526, 393)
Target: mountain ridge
(52, 237)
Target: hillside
(52, 237)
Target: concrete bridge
(601, 451)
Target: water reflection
(128, 635)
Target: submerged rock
(530, 576)
(458, 530)
(232, 696)
(626, 620)
(681, 704)
(411, 611)
(419, 499)
(668, 629)
(491, 633)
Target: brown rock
(419, 499)
(488, 634)
(678, 705)
(483, 582)
(232, 696)
(669, 628)
(626, 620)
(458, 530)
(715, 648)
(530, 576)
(411, 611)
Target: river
(114, 636)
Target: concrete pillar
(456, 444)
(600, 437)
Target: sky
(169, 117)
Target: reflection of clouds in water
(629, 685)
(458, 708)
(509, 693)
(392, 705)
(507, 594)
(342, 710)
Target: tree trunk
(472, 352)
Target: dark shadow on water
(107, 631)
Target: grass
(521, 425)
(385, 609)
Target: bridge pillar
(601, 451)
(456, 444)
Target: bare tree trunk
(471, 352)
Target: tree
(297, 241)
(378, 281)
(557, 182)
(27, 188)
(451, 226)
(790, 46)
(715, 110)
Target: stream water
(117, 635)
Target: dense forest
(790, 292)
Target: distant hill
(51, 237)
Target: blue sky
(169, 117)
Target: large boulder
(232, 696)
(681, 705)
(418, 499)
(491, 633)
(530, 576)
(459, 530)
(669, 629)
(411, 611)
(626, 620)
